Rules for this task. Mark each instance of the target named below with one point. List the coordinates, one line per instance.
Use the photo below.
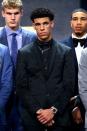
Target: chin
(79, 34)
(13, 27)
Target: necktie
(14, 49)
(82, 42)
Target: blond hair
(12, 4)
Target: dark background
(61, 8)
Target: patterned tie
(14, 48)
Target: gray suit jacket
(82, 81)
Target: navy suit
(5, 83)
(69, 42)
(27, 37)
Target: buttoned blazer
(38, 91)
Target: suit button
(45, 67)
(45, 60)
(48, 95)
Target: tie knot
(81, 41)
(14, 34)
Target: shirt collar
(84, 36)
(9, 31)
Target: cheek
(7, 19)
(18, 18)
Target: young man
(14, 37)
(45, 78)
(5, 84)
(77, 41)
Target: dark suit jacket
(38, 91)
(69, 42)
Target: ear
(52, 24)
(71, 23)
(3, 13)
(22, 12)
(33, 25)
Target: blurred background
(61, 8)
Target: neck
(79, 35)
(13, 28)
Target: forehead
(41, 20)
(79, 14)
(10, 9)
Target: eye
(83, 18)
(37, 24)
(74, 18)
(45, 23)
(16, 13)
(8, 13)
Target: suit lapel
(24, 39)
(3, 37)
(73, 49)
(52, 57)
(37, 54)
(85, 44)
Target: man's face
(12, 17)
(79, 23)
(43, 27)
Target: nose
(12, 16)
(42, 27)
(79, 21)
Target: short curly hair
(40, 13)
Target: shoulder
(27, 48)
(66, 41)
(28, 33)
(62, 47)
(1, 30)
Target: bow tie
(81, 41)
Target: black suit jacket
(37, 91)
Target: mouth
(13, 22)
(43, 33)
(79, 27)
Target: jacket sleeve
(6, 78)
(67, 84)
